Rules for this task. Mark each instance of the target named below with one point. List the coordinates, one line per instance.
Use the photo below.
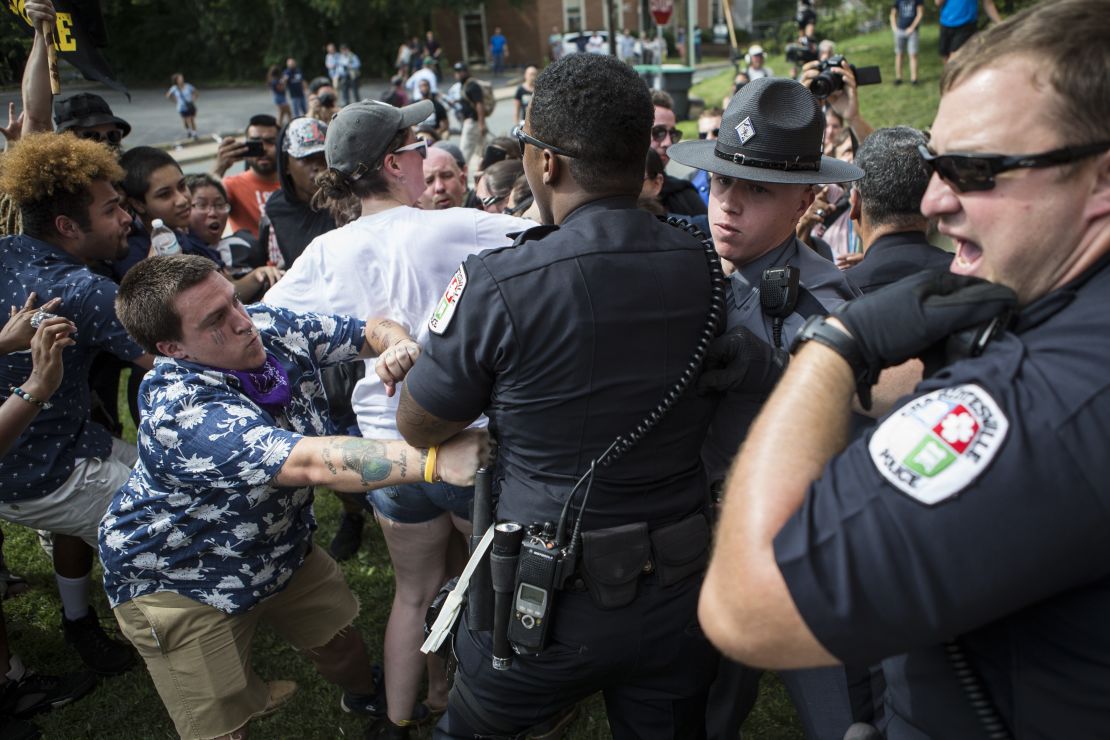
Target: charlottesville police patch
(936, 445)
(445, 310)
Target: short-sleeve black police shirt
(566, 341)
(978, 508)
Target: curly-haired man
(65, 468)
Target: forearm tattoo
(380, 335)
(367, 458)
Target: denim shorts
(413, 503)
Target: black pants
(649, 658)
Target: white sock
(75, 596)
(16, 670)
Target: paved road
(154, 120)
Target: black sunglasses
(660, 132)
(974, 172)
(523, 139)
(705, 134)
(114, 136)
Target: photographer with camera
(834, 82)
(247, 191)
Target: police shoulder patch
(937, 445)
(445, 309)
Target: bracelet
(15, 390)
(430, 466)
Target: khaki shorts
(77, 506)
(199, 657)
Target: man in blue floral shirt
(213, 531)
(64, 468)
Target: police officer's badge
(936, 445)
(445, 309)
(745, 130)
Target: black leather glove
(908, 318)
(740, 362)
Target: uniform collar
(752, 272)
(897, 239)
(1052, 303)
(611, 203)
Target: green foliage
(234, 40)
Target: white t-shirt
(413, 83)
(394, 264)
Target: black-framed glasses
(113, 137)
(975, 172)
(705, 134)
(660, 132)
(523, 139)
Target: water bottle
(162, 239)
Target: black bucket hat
(772, 131)
(85, 110)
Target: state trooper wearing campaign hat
(771, 132)
(762, 169)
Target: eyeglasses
(523, 139)
(705, 134)
(975, 172)
(660, 132)
(113, 137)
(219, 206)
(420, 147)
(489, 200)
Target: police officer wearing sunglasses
(566, 339)
(963, 541)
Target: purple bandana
(268, 386)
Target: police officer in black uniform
(964, 539)
(566, 340)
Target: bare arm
(353, 464)
(745, 607)
(992, 11)
(916, 19)
(381, 334)
(421, 428)
(37, 98)
(51, 337)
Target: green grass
(128, 706)
(881, 105)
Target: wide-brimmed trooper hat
(772, 131)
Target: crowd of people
(751, 419)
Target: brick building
(465, 35)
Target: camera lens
(826, 84)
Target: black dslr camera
(803, 52)
(828, 82)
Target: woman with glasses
(395, 260)
(207, 222)
(496, 186)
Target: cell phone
(255, 148)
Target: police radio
(539, 574)
(778, 296)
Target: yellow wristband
(430, 465)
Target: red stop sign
(661, 11)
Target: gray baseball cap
(360, 133)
